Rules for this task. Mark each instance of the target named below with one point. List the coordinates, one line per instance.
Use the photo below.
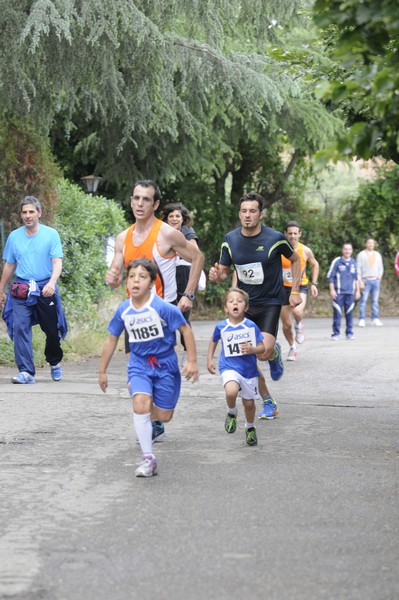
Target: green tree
(150, 87)
(362, 39)
(26, 167)
(375, 212)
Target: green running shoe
(251, 438)
(230, 423)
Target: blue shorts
(157, 377)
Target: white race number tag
(287, 275)
(252, 273)
(231, 340)
(143, 327)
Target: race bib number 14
(231, 341)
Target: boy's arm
(211, 350)
(190, 369)
(106, 355)
(247, 348)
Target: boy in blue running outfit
(241, 341)
(153, 372)
(254, 251)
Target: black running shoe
(158, 431)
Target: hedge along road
(310, 513)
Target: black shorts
(265, 317)
(303, 290)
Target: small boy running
(241, 340)
(153, 372)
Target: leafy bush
(84, 223)
(375, 211)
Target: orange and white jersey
(166, 279)
(287, 272)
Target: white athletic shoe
(148, 467)
(362, 323)
(377, 323)
(292, 354)
(299, 333)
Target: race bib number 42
(143, 327)
(231, 341)
(252, 273)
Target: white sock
(143, 426)
(248, 425)
(232, 411)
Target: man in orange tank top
(293, 233)
(151, 238)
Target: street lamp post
(91, 183)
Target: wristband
(298, 293)
(314, 283)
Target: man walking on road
(371, 269)
(255, 253)
(344, 290)
(34, 253)
(293, 233)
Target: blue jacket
(343, 274)
(32, 300)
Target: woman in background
(178, 217)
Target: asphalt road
(311, 513)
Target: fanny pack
(20, 290)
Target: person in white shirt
(371, 269)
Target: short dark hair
(149, 183)
(30, 200)
(171, 207)
(292, 224)
(146, 263)
(253, 196)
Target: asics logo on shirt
(259, 249)
(239, 336)
(140, 320)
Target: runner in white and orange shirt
(288, 314)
